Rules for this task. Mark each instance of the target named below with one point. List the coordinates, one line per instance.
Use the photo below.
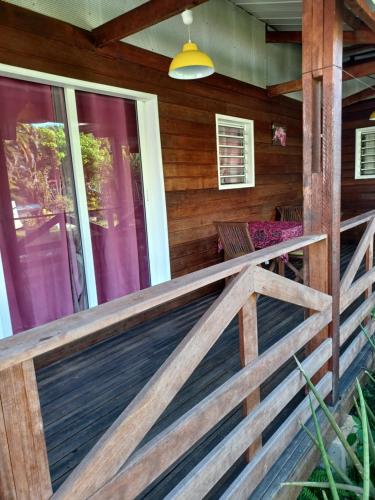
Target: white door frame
(153, 178)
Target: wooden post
(322, 43)
(24, 471)
(248, 328)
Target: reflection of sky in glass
(52, 124)
(47, 124)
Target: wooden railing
(116, 467)
(351, 289)
(112, 469)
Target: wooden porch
(203, 400)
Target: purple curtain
(39, 253)
(113, 175)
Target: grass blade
(353, 457)
(335, 467)
(365, 332)
(370, 376)
(323, 453)
(357, 490)
(366, 451)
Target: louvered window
(235, 152)
(365, 153)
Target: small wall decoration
(278, 135)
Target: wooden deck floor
(82, 395)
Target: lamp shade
(372, 116)
(191, 63)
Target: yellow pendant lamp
(191, 63)
(372, 116)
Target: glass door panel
(40, 241)
(113, 177)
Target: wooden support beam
(358, 96)
(362, 10)
(349, 72)
(284, 37)
(352, 20)
(358, 37)
(140, 18)
(24, 471)
(284, 88)
(322, 87)
(248, 327)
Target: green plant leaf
(324, 453)
(365, 332)
(366, 451)
(353, 457)
(352, 438)
(336, 468)
(309, 484)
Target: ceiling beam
(350, 71)
(140, 18)
(284, 37)
(362, 10)
(358, 96)
(284, 88)
(359, 37)
(352, 20)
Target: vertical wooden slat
(317, 258)
(369, 264)
(248, 329)
(24, 434)
(7, 486)
(322, 62)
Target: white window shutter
(235, 152)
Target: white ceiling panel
(283, 15)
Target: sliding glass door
(113, 180)
(75, 164)
(40, 240)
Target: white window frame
(249, 141)
(358, 138)
(152, 170)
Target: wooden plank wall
(187, 121)
(358, 196)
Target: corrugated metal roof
(282, 15)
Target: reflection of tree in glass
(35, 165)
(134, 160)
(98, 168)
(34, 161)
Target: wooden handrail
(46, 338)
(356, 221)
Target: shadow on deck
(82, 395)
